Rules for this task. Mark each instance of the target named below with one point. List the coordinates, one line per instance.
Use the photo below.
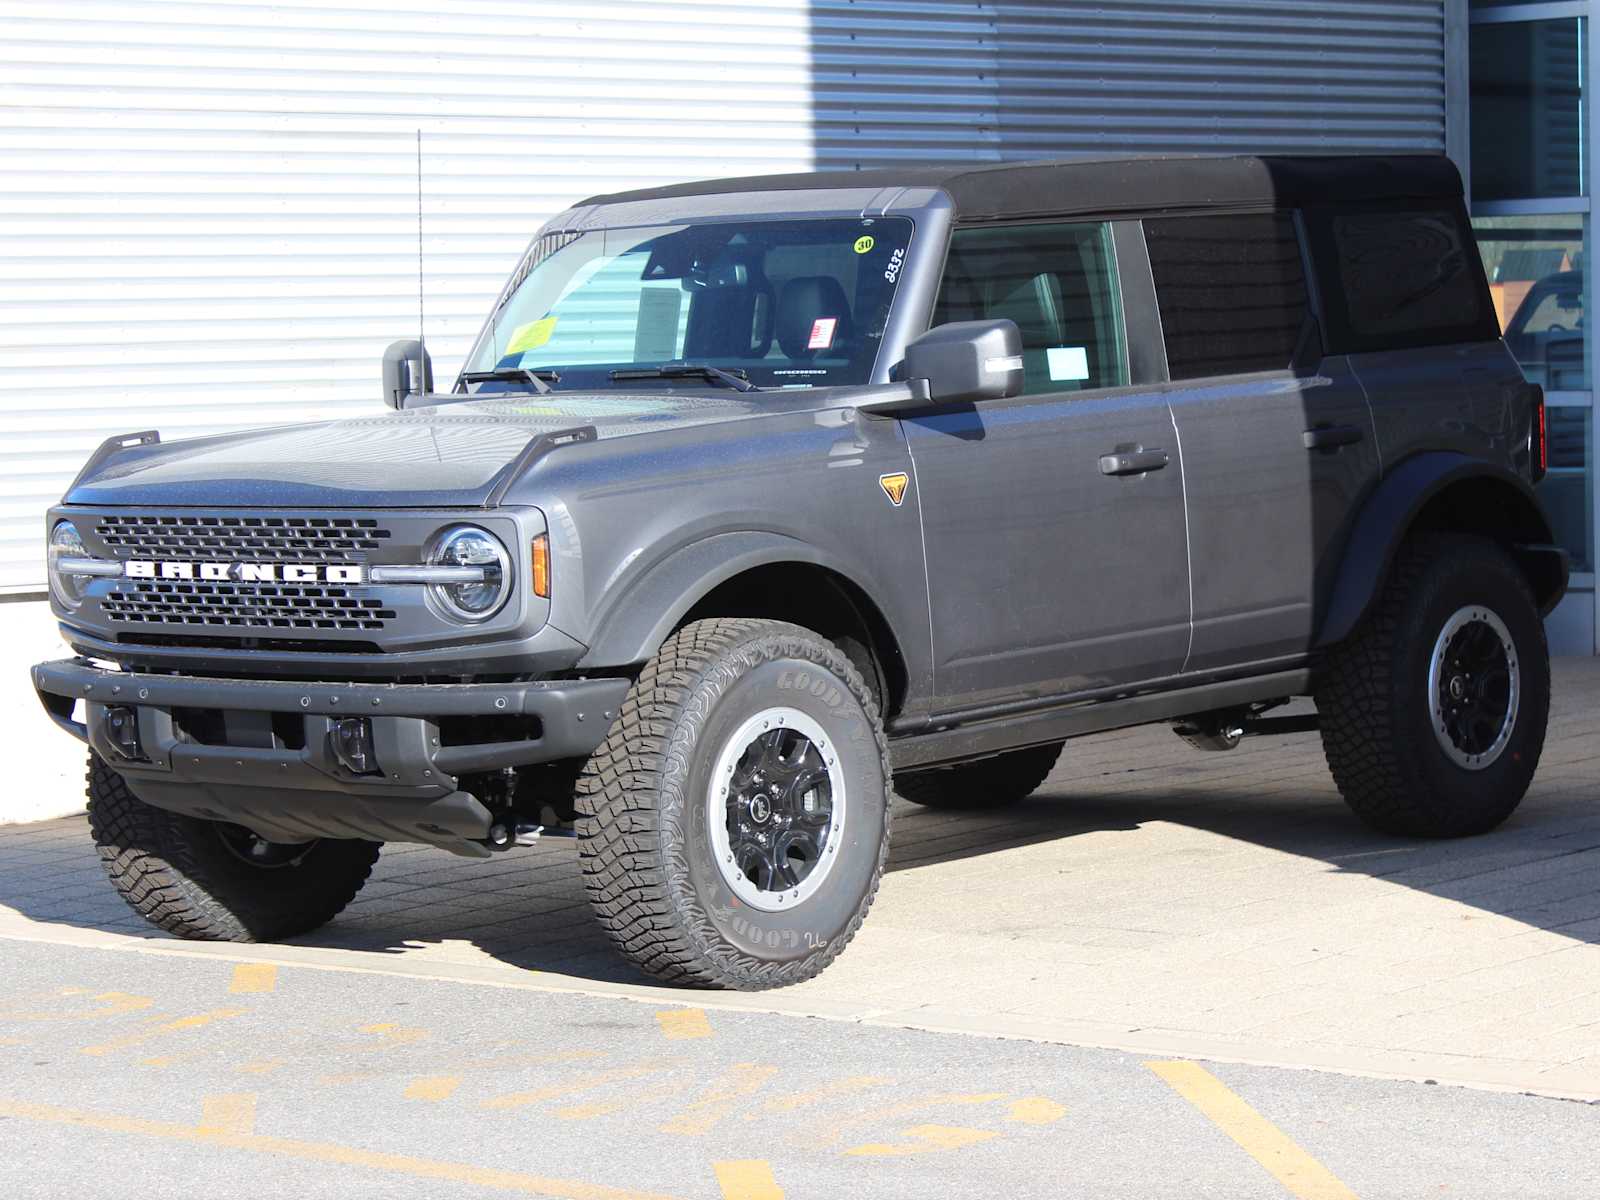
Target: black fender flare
(1391, 512)
(632, 627)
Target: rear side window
(1231, 290)
(1058, 283)
(1406, 277)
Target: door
(1278, 442)
(1053, 521)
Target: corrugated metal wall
(208, 210)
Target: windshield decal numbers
(896, 261)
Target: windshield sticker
(864, 244)
(822, 333)
(896, 261)
(531, 336)
(1067, 362)
(655, 337)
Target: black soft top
(996, 191)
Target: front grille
(244, 605)
(268, 539)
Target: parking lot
(1370, 1016)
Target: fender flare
(631, 628)
(1390, 512)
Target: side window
(1408, 278)
(1231, 291)
(1059, 284)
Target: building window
(1535, 268)
(1527, 110)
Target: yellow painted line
(324, 1152)
(233, 1113)
(253, 977)
(719, 1099)
(747, 1179)
(684, 1023)
(433, 1087)
(828, 1091)
(114, 1004)
(262, 1066)
(925, 1138)
(197, 1021)
(905, 1109)
(571, 1087)
(605, 1108)
(1303, 1176)
(1035, 1110)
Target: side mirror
(407, 371)
(958, 363)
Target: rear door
(1053, 521)
(1278, 441)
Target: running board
(981, 738)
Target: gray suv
(755, 496)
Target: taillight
(541, 566)
(1539, 436)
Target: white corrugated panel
(208, 210)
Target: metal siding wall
(208, 210)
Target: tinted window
(1408, 278)
(1058, 283)
(1231, 291)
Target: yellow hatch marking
(325, 1152)
(579, 1083)
(180, 1025)
(253, 977)
(747, 1179)
(927, 1138)
(684, 1022)
(234, 1113)
(1035, 1110)
(433, 1087)
(839, 1087)
(906, 1109)
(116, 1004)
(1302, 1175)
(719, 1099)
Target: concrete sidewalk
(45, 766)
(1150, 898)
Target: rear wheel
(994, 782)
(1433, 714)
(212, 881)
(734, 825)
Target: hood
(442, 457)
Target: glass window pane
(1535, 269)
(1231, 291)
(1527, 110)
(1568, 489)
(1059, 284)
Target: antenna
(421, 326)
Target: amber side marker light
(1541, 436)
(541, 566)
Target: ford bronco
(755, 497)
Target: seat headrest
(805, 300)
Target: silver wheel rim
(1474, 688)
(772, 780)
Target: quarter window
(1231, 291)
(1059, 284)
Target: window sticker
(1067, 362)
(531, 336)
(655, 338)
(864, 243)
(822, 333)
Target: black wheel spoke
(780, 809)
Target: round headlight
(65, 542)
(476, 599)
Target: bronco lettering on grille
(243, 572)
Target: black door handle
(1133, 462)
(1331, 437)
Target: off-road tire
(643, 803)
(996, 782)
(176, 872)
(1373, 701)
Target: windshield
(780, 303)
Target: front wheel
(734, 825)
(1433, 714)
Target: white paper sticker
(1067, 362)
(655, 337)
(822, 333)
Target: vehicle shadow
(528, 908)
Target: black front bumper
(290, 794)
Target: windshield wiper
(534, 379)
(736, 378)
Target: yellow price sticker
(864, 243)
(531, 336)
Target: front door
(1053, 521)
